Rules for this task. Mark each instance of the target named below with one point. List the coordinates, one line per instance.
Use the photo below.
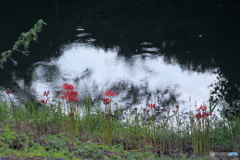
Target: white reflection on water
(109, 67)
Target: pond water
(94, 71)
(165, 53)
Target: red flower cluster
(106, 100)
(203, 108)
(204, 113)
(145, 110)
(67, 86)
(151, 105)
(109, 94)
(174, 111)
(45, 93)
(69, 95)
(43, 101)
(8, 91)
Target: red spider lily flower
(70, 96)
(174, 111)
(151, 105)
(45, 93)
(203, 108)
(135, 109)
(144, 109)
(206, 114)
(110, 93)
(199, 115)
(177, 106)
(8, 91)
(67, 86)
(106, 100)
(202, 115)
(43, 101)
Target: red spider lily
(106, 100)
(70, 96)
(67, 86)
(199, 115)
(45, 93)
(203, 108)
(8, 91)
(110, 93)
(202, 115)
(177, 106)
(144, 109)
(135, 109)
(205, 114)
(174, 111)
(151, 105)
(43, 101)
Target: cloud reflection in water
(94, 69)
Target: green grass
(47, 132)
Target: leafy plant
(24, 40)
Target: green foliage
(46, 133)
(7, 136)
(24, 40)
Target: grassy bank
(57, 131)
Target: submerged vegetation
(69, 128)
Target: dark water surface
(146, 50)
